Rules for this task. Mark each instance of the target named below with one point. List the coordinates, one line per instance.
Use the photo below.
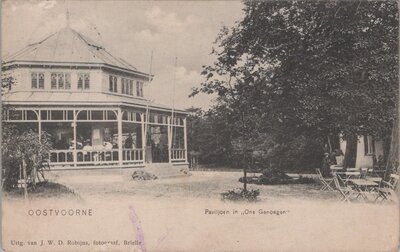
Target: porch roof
(80, 98)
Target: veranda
(106, 137)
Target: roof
(68, 46)
(79, 98)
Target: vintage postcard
(199, 126)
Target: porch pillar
(119, 118)
(40, 125)
(75, 149)
(144, 137)
(169, 135)
(185, 139)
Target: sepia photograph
(200, 125)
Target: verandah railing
(178, 155)
(95, 157)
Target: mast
(147, 108)
(171, 122)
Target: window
(369, 145)
(67, 81)
(41, 80)
(34, 80)
(53, 81)
(127, 89)
(60, 78)
(130, 87)
(60, 81)
(87, 81)
(37, 80)
(123, 85)
(83, 81)
(139, 89)
(113, 84)
(127, 86)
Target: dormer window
(60, 81)
(37, 80)
(83, 81)
(113, 84)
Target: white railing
(132, 155)
(95, 157)
(61, 157)
(178, 155)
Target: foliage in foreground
(240, 194)
(22, 152)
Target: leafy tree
(312, 69)
(22, 155)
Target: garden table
(350, 175)
(374, 179)
(363, 186)
(335, 168)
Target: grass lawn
(201, 184)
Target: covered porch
(106, 137)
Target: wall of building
(106, 84)
(23, 79)
(363, 160)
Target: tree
(313, 69)
(22, 155)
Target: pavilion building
(93, 105)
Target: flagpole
(147, 108)
(171, 123)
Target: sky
(182, 30)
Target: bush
(241, 195)
(142, 175)
(276, 177)
(22, 150)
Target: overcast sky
(131, 30)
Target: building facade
(368, 152)
(92, 104)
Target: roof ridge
(41, 41)
(86, 40)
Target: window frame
(34, 80)
(113, 83)
(58, 80)
(81, 83)
(369, 145)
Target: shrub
(22, 150)
(142, 175)
(276, 177)
(241, 195)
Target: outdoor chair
(346, 192)
(326, 182)
(387, 188)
